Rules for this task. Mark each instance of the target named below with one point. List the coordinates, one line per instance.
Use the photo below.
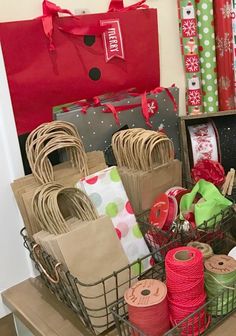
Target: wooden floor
(43, 315)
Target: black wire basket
(68, 288)
(193, 325)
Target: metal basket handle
(50, 278)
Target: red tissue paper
(211, 171)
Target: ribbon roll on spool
(220, 277)
(185, 285)
(204, 142)
(147, 307)
(176, 192)
(205, 249)
(163, 212)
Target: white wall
(14, 262)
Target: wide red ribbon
(51, 10)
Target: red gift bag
(52, 60)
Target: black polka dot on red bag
(95, 74)
(89, 40)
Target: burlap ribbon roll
(54, 204)
(206, 249)
(139, 149)
(48, 138)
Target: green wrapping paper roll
(206, 35)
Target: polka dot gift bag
(107, 193)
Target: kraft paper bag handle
(162, 149)
(139, 149)
(203, 211)
(46, 208)
(49, 137)
(43, 169)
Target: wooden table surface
(44, 315)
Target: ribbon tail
(112, 108)
(48, 30)
(172, 98)
(145, 111)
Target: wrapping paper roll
(224, 54)
(234, 44)
(204, 141)
(206, 35)
(189, 46)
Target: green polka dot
(111, 210)
(115, 177)
(137, 269)
(136, 231)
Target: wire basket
(186, 326)
(183, 233)
(67, 288)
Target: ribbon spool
(204, 142)
(176, 192)
(220, 277)
(147, 307)
(186, 294)
(205, 249)
(163, 212)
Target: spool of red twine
(186, 294)
(147, 307)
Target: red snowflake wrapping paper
(224, 54)
(189, 47)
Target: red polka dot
(215, 70)
(92, 180)
(212, 23)
(118, 233)
(129, 208)
(152, 261)
(200, 48)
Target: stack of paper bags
(146, 165)
(66, 173)
(142, 187)
(90, 249)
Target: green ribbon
(214, 203)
